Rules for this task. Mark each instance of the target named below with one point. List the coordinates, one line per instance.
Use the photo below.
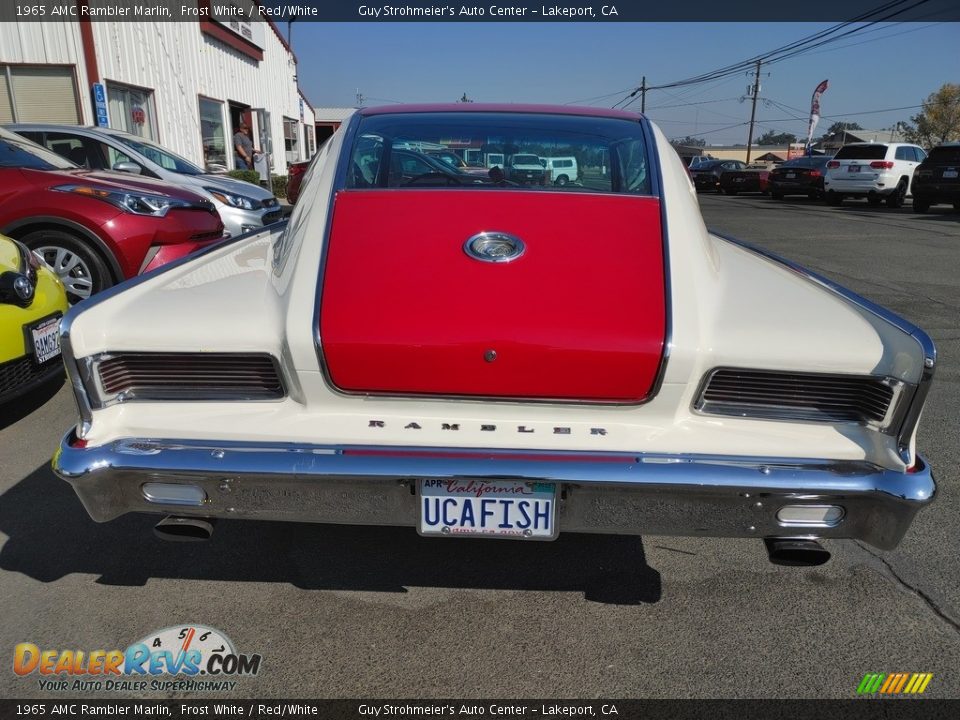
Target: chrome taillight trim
(914, 405)
(759, 386)
(234, 389)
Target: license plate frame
(950, 174)
(492, 503)
(853, 168)
(37, 332)
(790, 176)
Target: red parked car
(295, 175)
(96, 229)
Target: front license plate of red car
(46, 339)
(488, 508)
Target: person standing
(243, 148)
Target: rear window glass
(21, 153)
(861, 152)
(945, 155)
(505, 150)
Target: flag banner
(815, 111)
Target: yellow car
(32, 301)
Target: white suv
(876, 171)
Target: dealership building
(185, 85)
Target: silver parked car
(242, 205)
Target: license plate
(46, 339)
(738, 179)
(488, 508)
(790, 176)
(853, 168)
(949, 173)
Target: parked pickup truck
(526, 170)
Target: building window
(131, 110)
(290, 139)
(38, 93)
(214, 137)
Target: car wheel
(813, 195)
(834, 198)
(920, 205)
(730, 192)
(896, 198)
(562, 180)
(776, 195)
(956, 206)
(79, 267)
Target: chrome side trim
(74, 371)
(340, 183)
(612, 492)
(927, 347)
(653, 154)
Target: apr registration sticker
(488, 508)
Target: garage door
(6, 108)
(38, 94)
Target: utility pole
(643, 95)
(753, 108)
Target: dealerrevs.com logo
(178, 658)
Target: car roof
(881, 142)
(61, 127)
(500, 108)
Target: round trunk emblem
(495, 247)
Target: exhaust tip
(184, 529)
(796, 553)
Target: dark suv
(936, 179)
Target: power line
(599, 97)
(793, 49)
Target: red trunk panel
(579, 316)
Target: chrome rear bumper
(621, 493)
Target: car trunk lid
(579, 316)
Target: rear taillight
(814, 173)
(882, 164)
(833, 164)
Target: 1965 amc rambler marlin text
(474, 355)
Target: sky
(887, 66)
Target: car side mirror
(127, 167)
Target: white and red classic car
(479, 357)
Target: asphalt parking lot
(347, 612)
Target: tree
(690, 141)
(838, 127)
(774, 138)
(939, 120)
